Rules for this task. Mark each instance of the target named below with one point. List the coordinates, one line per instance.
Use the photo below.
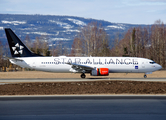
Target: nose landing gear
(145, 76)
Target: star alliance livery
(96, 66)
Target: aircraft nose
(159, 66)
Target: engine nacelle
(100, 72)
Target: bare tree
(158, 41)
(92, 40)
(148, 42)
(28, 42)
(40, 46)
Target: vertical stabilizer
(17, 48)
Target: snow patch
(4, 83)
(64, 25)
(57, 33)
(1, 28)
(54, 39)
(28, 29)
(38, 33)
(78, 22)
(71, 31)
(13, 22)
(117, 27)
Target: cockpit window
(152, 62)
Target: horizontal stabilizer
(14, 59)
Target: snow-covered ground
(54, 39)
(64, 25)
(38, 33)
(1, 28)
(13, 22)
(56, 28)
(71, 31)
(114, 26)
(77, 22)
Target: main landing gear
(83, 75)
(145, 76)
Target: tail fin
(17, 48)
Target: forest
(146, 42)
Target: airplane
(96, 66)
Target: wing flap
(78, 67)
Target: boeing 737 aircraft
(96, 66)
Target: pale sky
(117, 11)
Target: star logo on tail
(18, 49)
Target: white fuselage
(114, 64)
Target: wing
(79, 68)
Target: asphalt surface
(80, 79)
(83, 107)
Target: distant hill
(56, 28)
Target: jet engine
(100, 72)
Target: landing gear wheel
(145, 76)
(83, 75)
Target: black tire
(83, 75)
(145, 76)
